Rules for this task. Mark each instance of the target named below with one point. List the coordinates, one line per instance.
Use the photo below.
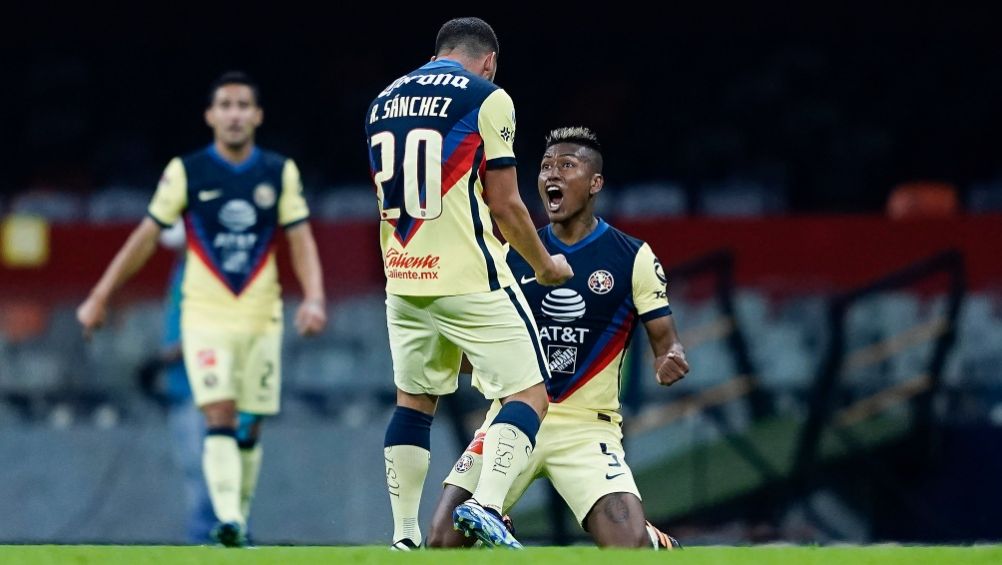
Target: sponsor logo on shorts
(206, 358)
(401, 265)
(210, 380)
(562, 358)
(610, 477)
(601, 282)
(465, 463)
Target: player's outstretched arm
(670, 365)
(513, 219)
(129, 259)
(311, 317)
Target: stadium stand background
(781, 140)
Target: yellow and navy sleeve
(171, 197)
(650, 291)
(497, 128)
(292, 207)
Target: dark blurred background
(827, 108)
(823, 185)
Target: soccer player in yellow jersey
(440, 151)
(233, 198)
(585, 326)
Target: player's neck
(575, 229)
(234, 155)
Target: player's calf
(443, 534)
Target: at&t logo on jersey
(563, 305)
(234, 247)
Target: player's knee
(220, 414)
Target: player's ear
(597, 182)
(490, 65)
(259, 118)
(208, 117)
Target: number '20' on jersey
(431, 136)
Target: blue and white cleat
(471, 518)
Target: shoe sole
(468, 523)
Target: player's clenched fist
(311, 317)
(91, 315)
(557, 273)
(671, 367)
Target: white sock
(250, 468)
(506, 454)
(221, 465)
(406, 468)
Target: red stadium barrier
(817, 253)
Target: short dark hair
(473, 35)
(234, 77)
(578, 135)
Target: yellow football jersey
(231, 214)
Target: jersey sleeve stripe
(500, 163)
(294, 223)
(540, 358)
(656, 313)
(157, 220)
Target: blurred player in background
(233, 197)
(184, 421)
(440, 141)
(585, 326)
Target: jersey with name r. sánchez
(585, 325)
(432, 134)
(231, 214)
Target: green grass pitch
(779, 555)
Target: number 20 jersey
(431, 135)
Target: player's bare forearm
(130, 258)
(306, 261)
(516, 225)
(311, 318)
(670, 364)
